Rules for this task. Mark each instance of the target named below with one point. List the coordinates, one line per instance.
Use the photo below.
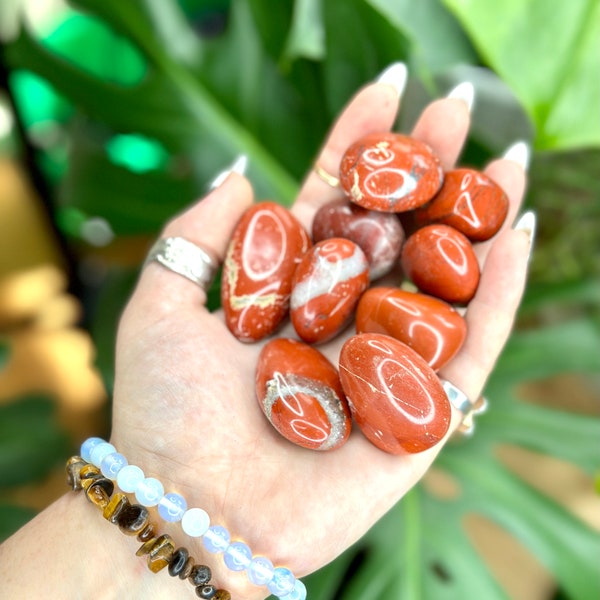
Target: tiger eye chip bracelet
(195, 522)
(133, 519)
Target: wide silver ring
(461, 402)
(181, 256)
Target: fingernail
(527, 223)
(395, 75)
(239, 167)
(519, 153)
(463, 91)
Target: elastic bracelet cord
(195, 522)
(133, 519)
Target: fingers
(373, 109)
(208, 224)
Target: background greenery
(130, 108)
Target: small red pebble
(327, 285)
(265, 248)
(390, 172)
(379, 235)
(470, 202)
(300, 393)
(430, 326)
(395, 397)
(440, 261)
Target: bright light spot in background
(97, 232)
(6, 121)
(136, 153)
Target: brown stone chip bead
(222, 595)
(133, 519)
(206, 591)
(178, 561)
(187, 569)
(200, 575)
(159, 550)
(147, 533)
(73, 468)
(114, 508)
(99, 492)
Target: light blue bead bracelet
(195, 522)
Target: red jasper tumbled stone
(327, 285)
(265, 248)
(390, 172)
(300, 393)
(469, 201)
(440, 261)
(395, 397)
(379, 235)
(431, 327)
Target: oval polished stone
(379, 235)
(470, 202)
(266, 246)
(431, 327)
(390, 172)
(395, 397)
(440, 261)
(299, 391)
(327, 285)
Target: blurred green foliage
(134, 106)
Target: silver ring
(459, 400)
(181, 256)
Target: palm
(184, 398)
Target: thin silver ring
(181, 256)
(461, 402)
(457, 397)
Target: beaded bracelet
(133, 519)
(195, 522)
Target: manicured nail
(519, 153)
(395, 75)
(464, 91)
(239, 167)
(526, 223)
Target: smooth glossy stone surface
(111, 465)
(378, 234)
(394, 395)
(222, 595)
(149, 491)
(327, 285)
(73, 469)
(237, 556)
(390, 172)
(132, 519)
(470, 202)
(113, 509)
(216, 539)
(172, 507)
(100, 491)
(263, 253)
(260, 570)
(206, 591)
(129, 477)
(195, 522)
(299, 391)
(431, 327)
(88, 446)
(99, 452)
(178, 562)
(440, 261)
(298, 593)
(282, 583)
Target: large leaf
(548, 51)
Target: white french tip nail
(519, 153)
(239, 167)
(395, 75)
(463, 91)
(527, 223)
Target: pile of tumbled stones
(386, 379)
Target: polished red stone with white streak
(379, 235)
(469, 201)
(299, 391)
(440, 261)
(327, 285)
(395, 397)
(266, 246)
(390, 172)
(431, 327)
